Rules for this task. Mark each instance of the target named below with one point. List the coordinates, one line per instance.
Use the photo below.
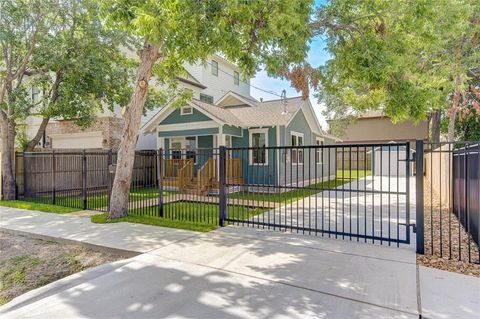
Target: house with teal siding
(265, 140)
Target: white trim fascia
(166, 111)
(318, 130)
(157, 118)
(189, 126)
(250, 132)
(314, 130)
(206, 113)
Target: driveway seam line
(419, 293)
(329, 250)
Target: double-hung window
(297, 153)
(214, 68)
(258, 143)
(319, 151)
(35, 94)
(236, 78)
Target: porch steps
(192, 188)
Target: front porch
(186, 176)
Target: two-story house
(208, 82)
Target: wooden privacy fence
(72, 173)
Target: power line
(253, 86)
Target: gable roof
(267, 113)
(187, 77)
(234, 99)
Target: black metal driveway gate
(356, 192)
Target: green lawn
(343, 177)
(353, 174)
(155, 221)
(98, 201)
(202, 213)
(38, 206)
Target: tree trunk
(7, 132)
(132, 117)
(36, 139)
(452, 113)
(451, 125)
(435, 122)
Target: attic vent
(186, 110)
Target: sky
(317, 56)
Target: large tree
(22, 25)
(408, 58)
(79, 68)
(249, 33)
(60, 48)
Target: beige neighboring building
(375, 127)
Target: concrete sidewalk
(236, 273)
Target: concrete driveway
(237, 273)
(351, 211)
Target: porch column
(221, 137)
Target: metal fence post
(222, 184)
(109, 177)
(408, 162)
(160, 181)
(419, 224)
(84, 179)
(53, 178)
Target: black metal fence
(298, 189)
(447, 200)
(306, 189)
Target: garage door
(77, 140)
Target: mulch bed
(27, 263)
(450, 248)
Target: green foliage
(399, 56)
(154, 221)
(250, 33)
(467, 125)
(38, 206)
(79, 67)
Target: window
(214, 67)
(258, 142)
(184, 147)
(206, 98)
(297, 153)
(319, 151)
(35, 94)
(186, 110)
(236, 78)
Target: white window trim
(182, 110)
(319, 150)
(183, 140)
(297, 135)
(250, 133)
(235, 79)
(216, 63)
